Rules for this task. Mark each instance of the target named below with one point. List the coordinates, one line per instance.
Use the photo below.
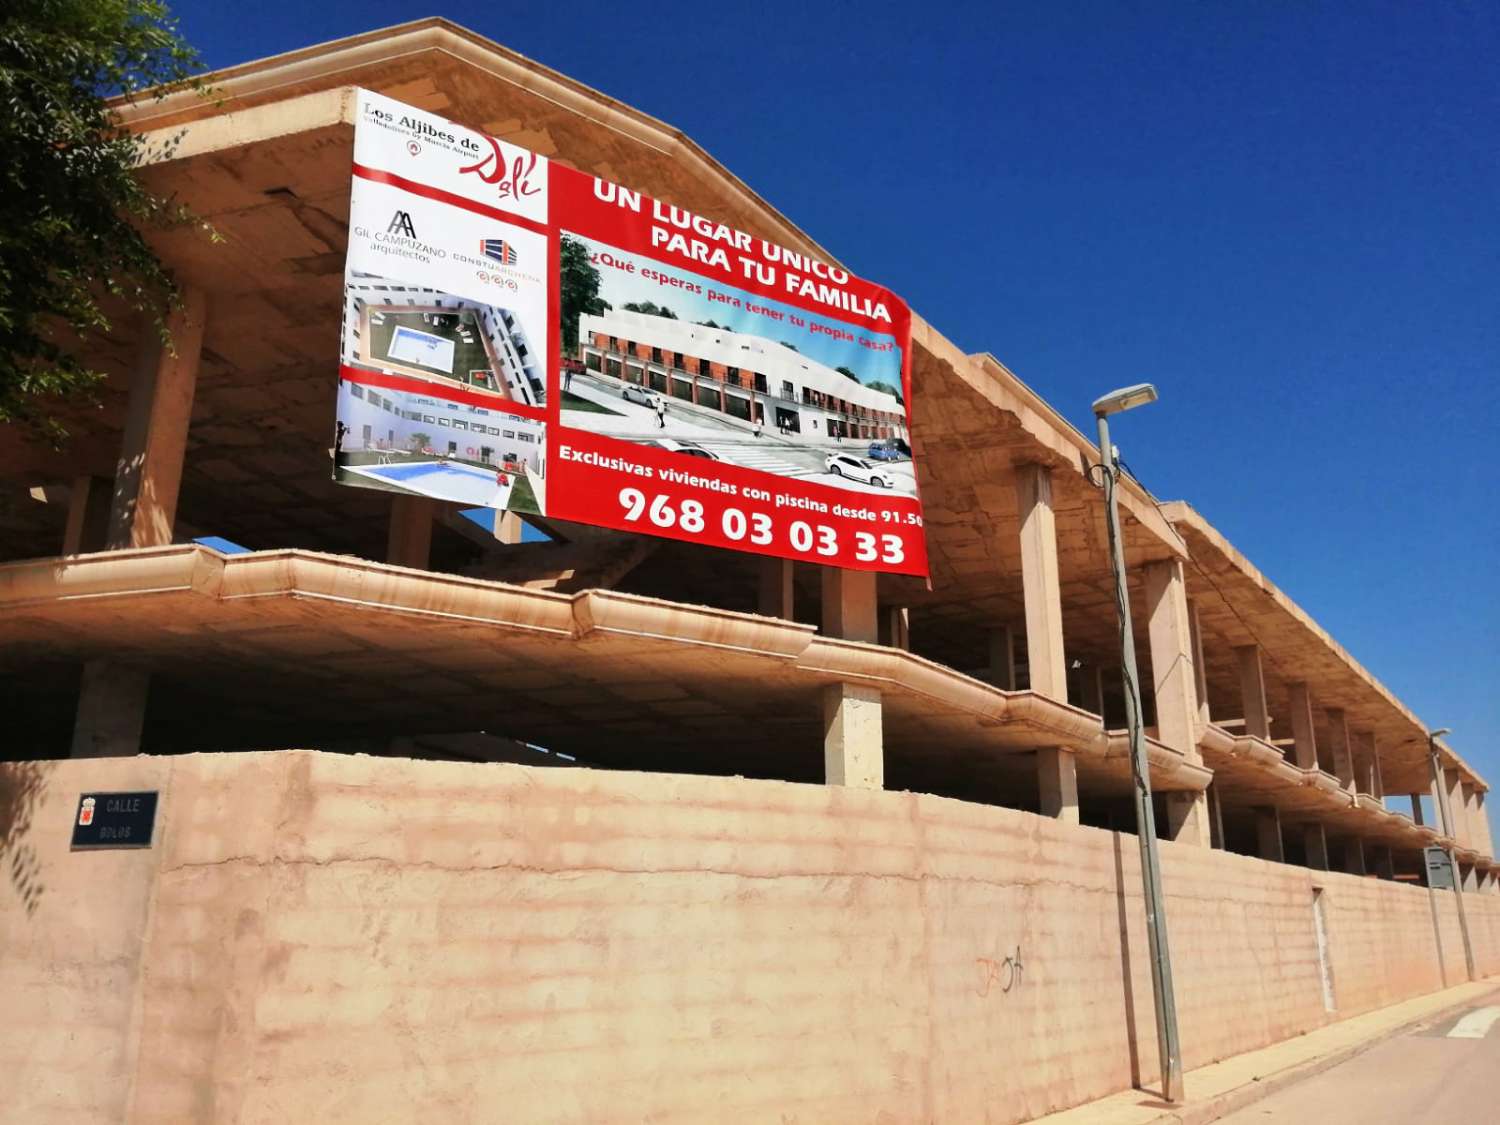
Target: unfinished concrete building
(617, 827)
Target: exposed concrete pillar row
(853, 747)
(1315, 840)
(111, 710)
(1003, 658)
(849, 609)
(1200, 669)
(1057, 782)
(1253, 692)
(1354, 856)
(87, 527)
(1306, 745)
(1343, 752)
(1174, 682)
(775, 588)
(149, 471)
(1268, 834)
(1039, 580)
(409, 539)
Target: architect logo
(401, 224)
(498, 249)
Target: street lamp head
(1439, 732)
(1126, 398)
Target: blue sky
(1284, 215)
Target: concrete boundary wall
(333, 938)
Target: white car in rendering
(633, 393)
(857, 468)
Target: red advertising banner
(523, 336)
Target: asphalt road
(1442, 1073)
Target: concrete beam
(776, 590)
(160, 408)
(853, 746)
(1268, 834)
(1040, 583)
(111, 710)
(1315, 840)
(1174, 681)
(849, 608)
(1305, 750)
(409, 540)
(1057, 782)
(1253, 692)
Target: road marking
(1476, 1024)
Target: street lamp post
(1441, 791)
(1169, 1047)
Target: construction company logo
(498, 250)
(401, 224)
(86, 811)
(512, 178)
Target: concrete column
(1003, 658)
(409, 540)
(849, 610)
(1458, 827)
(1354, 855)
(508, 528)
(149, 471)
(1216, 822)
(111, 710)
(1057, 781)
(1187, 818)
(1043, 591)
(1383, 863)
(1481, 820)
(1173, 677)
(1253, 692)
(853, 748)
(1474, 820)
(776, 589)
(1416, 808)
(1363, 750)
(1375, 765)
(1200, 669)
(1306, 748)
(87, 528)
(1315, 840)
(1268, 834)
(894, 627)
(1091, 681)
(1343, 752)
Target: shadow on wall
(21, 787)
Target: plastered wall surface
(335, 938)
